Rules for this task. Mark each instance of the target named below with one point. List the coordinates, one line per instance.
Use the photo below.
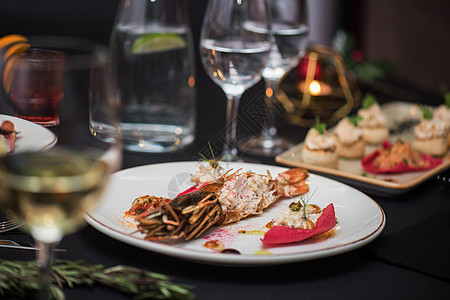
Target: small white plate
(360, 219)
(30, 137)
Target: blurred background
(410, 33)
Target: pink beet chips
(283, 235)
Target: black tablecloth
(399, 264)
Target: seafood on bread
(229, 197)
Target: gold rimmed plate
(360, 219)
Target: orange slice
(16, 49)
(10, 39)
(13, 45)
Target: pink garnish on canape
(284, 235)
(398, 158)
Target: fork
(9, 225)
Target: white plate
(360, 219)
(30, 137)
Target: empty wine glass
(233, 55)
(50, 191)
(289, 32)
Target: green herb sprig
(354, 120)
(215, 164)
(426, 113)
(320, 127)
(446, 95)
(301, 205)
(21, 279)
(368, 101)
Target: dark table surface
(361, 273)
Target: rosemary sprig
(21, 279)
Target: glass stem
(229, 148)
(269, 129)
(45, 261)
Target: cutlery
(21, 245)
(9, 225)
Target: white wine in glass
(233, 56)
(51, 191)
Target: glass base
(266, 146)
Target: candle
(316, 88)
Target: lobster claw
(291, 183)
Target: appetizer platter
(29, 136)
(344, 218)
(401, 120)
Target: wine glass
(233, 55)
(50, 191)
(289, 32)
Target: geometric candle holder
(321, 86)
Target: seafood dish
(7, 137)
(218, 197)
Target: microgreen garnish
(446, 95)
(301, 205)
(320, 127)
(426, 113)
(368, 101)
(215, 164)
(354, 120)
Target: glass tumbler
(37, 87)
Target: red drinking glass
(37, 86)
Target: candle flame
(315, 88)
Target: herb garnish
(368, 101)
(212, 162)
(301, 205)
(20, 279)
(354, 120)
(426, 113)
(446, 95)
(320, 127)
